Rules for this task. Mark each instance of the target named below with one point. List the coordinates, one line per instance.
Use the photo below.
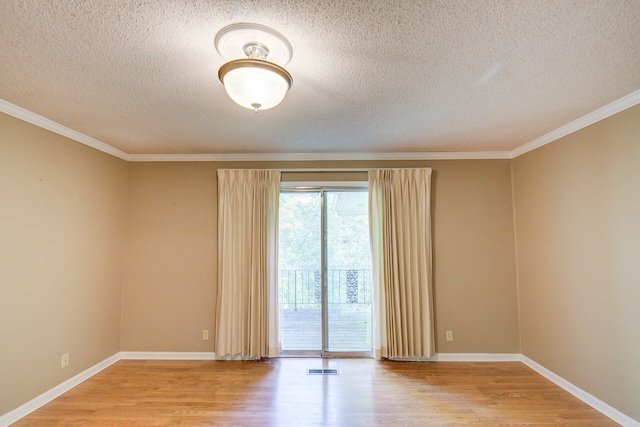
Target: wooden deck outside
(349, 328)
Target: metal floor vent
(322, 372)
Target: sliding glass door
(324, 272)
(347, 272)
(300, 271)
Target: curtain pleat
(400, 233)
(246, 305)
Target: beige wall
(62, 231)
(170, 273)
(577, 205)
(170, 269)
(64, 221)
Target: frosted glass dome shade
(254, 83)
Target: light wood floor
(280, 393)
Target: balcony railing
(302, 288)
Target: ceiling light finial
(253, 82)
(255, 51)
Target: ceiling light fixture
(249, 79)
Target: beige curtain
(246, 306)
(400, 232)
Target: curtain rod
(343, 169)
(324, 169)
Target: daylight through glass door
(324, 272)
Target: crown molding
(442, 155)
(55, 127)
(43, 122)
(608, 110)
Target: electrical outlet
(449, 335)
(205, 335)
(65, 360)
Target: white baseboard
(440, 357)
(587, 398)
(476, 357)
(48, 396)
(166, 355)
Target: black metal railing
(303, 288)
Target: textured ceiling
(369, 76)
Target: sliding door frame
(322, 190)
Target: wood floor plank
(279, 392)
